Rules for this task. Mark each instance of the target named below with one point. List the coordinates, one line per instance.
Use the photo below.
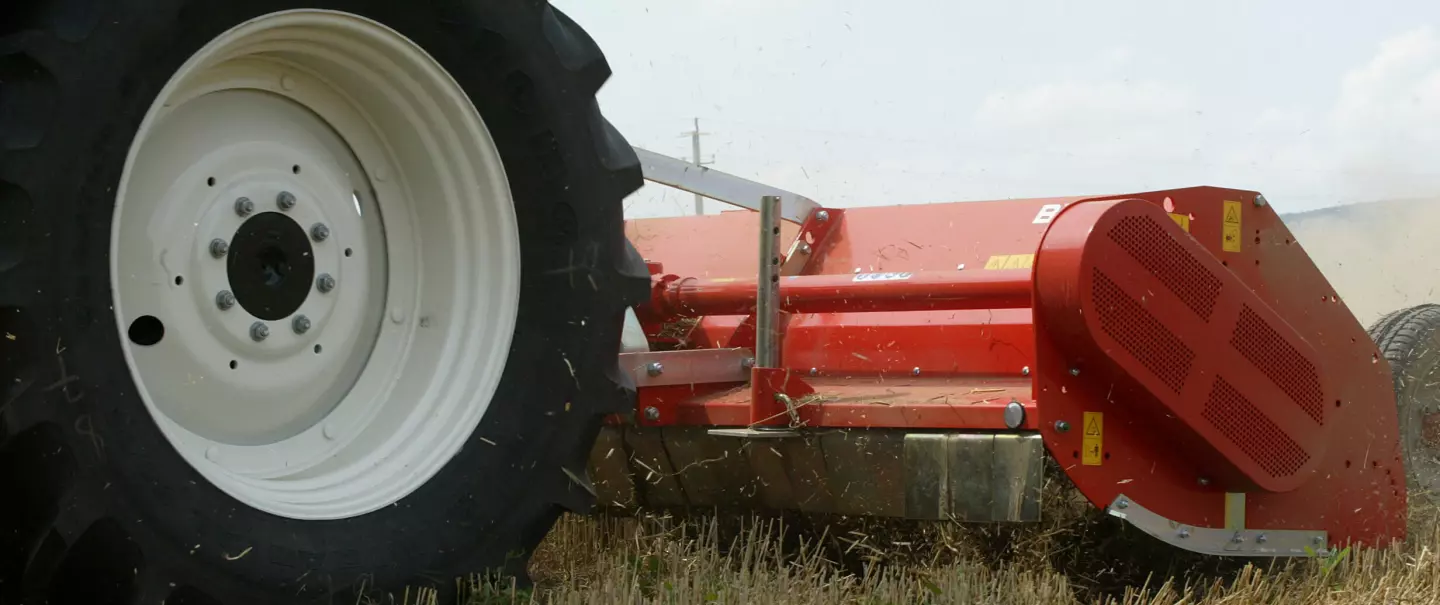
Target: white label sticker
(1047, 213)
(893, 276)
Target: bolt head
(822, 215)
(1204, 482)
(960, 267)
(747, 363)
(1261, 539)
(804, 248)
(814, 371)
(655, 369)
(244, 206)
(1184, 533)
(219, 247)
(915, 372)
(319, 232)
(285, 200)
(1014, 414)
(1074, 371)
(1318, 541)
(652, 413)
(259, 331)
(224, 300)
(1025, 371)
(1061, 426)
(300, 324)
(325, 283)
(1260, 200)
(1122, 504)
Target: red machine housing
(1174, 346)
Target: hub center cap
(271, 266)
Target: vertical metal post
(695, 149)
(767, 300)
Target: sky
(878, 103)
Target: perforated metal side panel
(1280, 362)
(1148, 340)
(1243, 424)
(1158, 252)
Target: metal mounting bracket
(1216, 541)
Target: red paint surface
(973, 362)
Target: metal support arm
(718, 185)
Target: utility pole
(696, 161)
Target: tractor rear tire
(224, 223)
(1410, 340)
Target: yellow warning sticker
(1231, 227)
(1010, 261)
(1094, 440)
(1183, 220)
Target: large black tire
(95, 504)
(1410, 340)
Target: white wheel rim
(397, 163)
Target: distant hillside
(1364, 211)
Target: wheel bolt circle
(285, 200)
(219, 247)
(224, 300)
(325, 283)
(244, 206)
(300, 324)
(319, 232)
(259, 331)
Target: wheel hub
(271, 266)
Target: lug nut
(219, 247)
(324, 283)
(285, 200)
(225, 299)
(319, 232)
(652, 413)
(300, 324)
(244, 206)
(655, 369)
(259, 331)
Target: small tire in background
(1409, 339)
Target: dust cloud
(1379, 256)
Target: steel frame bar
(718, 185)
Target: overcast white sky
(876, 103)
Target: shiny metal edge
(1221, 542)
(696, 366)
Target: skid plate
(975, 477)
